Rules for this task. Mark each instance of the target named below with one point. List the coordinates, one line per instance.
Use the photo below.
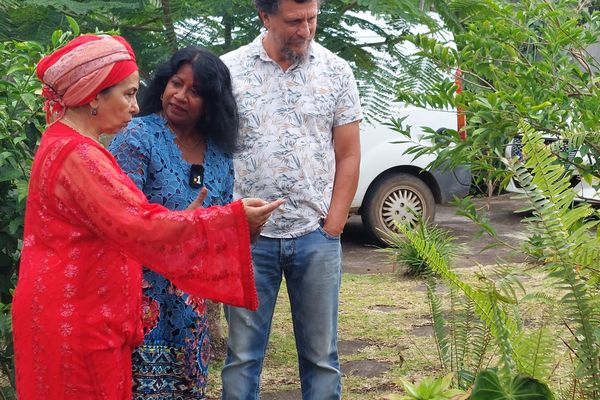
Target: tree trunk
(218, 339)
(169, 27)
(227, 31)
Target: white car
(583, 190)
(395, 187)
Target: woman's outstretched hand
(199, 201)
(258, 212)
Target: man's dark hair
(212, 80)
(272, 6)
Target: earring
(94, 112)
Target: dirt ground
(360, 257)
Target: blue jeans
(311, 265)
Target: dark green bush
(402, 251)
(21, 123)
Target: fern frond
(553, 181)
(566, 242)
(576, 138)
(543, 298)
(409, 73)
(439, 323)
(536, 348)
(502, 336)
(470, 339)
(483, 305)
(487, 304)
(536, 352)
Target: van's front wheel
(398, 197)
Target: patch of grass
(379, 314)
(379, 310)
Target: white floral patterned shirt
(286, 120)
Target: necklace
(188, 145)
(76, 128)
(193, 153)
(199, 139)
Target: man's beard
(295, 56)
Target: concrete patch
(423, 330)
(350, 347)
(295, 394)
(385, 308)
(365, 368)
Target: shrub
(21, 122)
(402, 251)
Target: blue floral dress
(172, 363)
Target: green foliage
(536, 349)
(428, 389)
(482, 315)
(527, 69)
(564, 234)
(569, 246)
(488, 386)
(401, 251)
(463, 341)
(7, 376)
(439, 322)
(18, 135)
(526, 60)
(20, 126)
(467, 348)
(21, 123)
(156, 28)
(483, 306)
(477, 314)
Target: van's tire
(392, 198)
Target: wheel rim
(401, 205)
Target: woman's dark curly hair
(212, 80)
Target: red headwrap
(74, 74)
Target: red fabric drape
(88, 229)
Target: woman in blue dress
(183, 141)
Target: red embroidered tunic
(88, 229)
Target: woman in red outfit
(88, 229)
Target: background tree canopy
(156, 27)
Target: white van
(583, 190)
(395, 187)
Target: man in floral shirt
(299, 119)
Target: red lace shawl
(88, 229)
